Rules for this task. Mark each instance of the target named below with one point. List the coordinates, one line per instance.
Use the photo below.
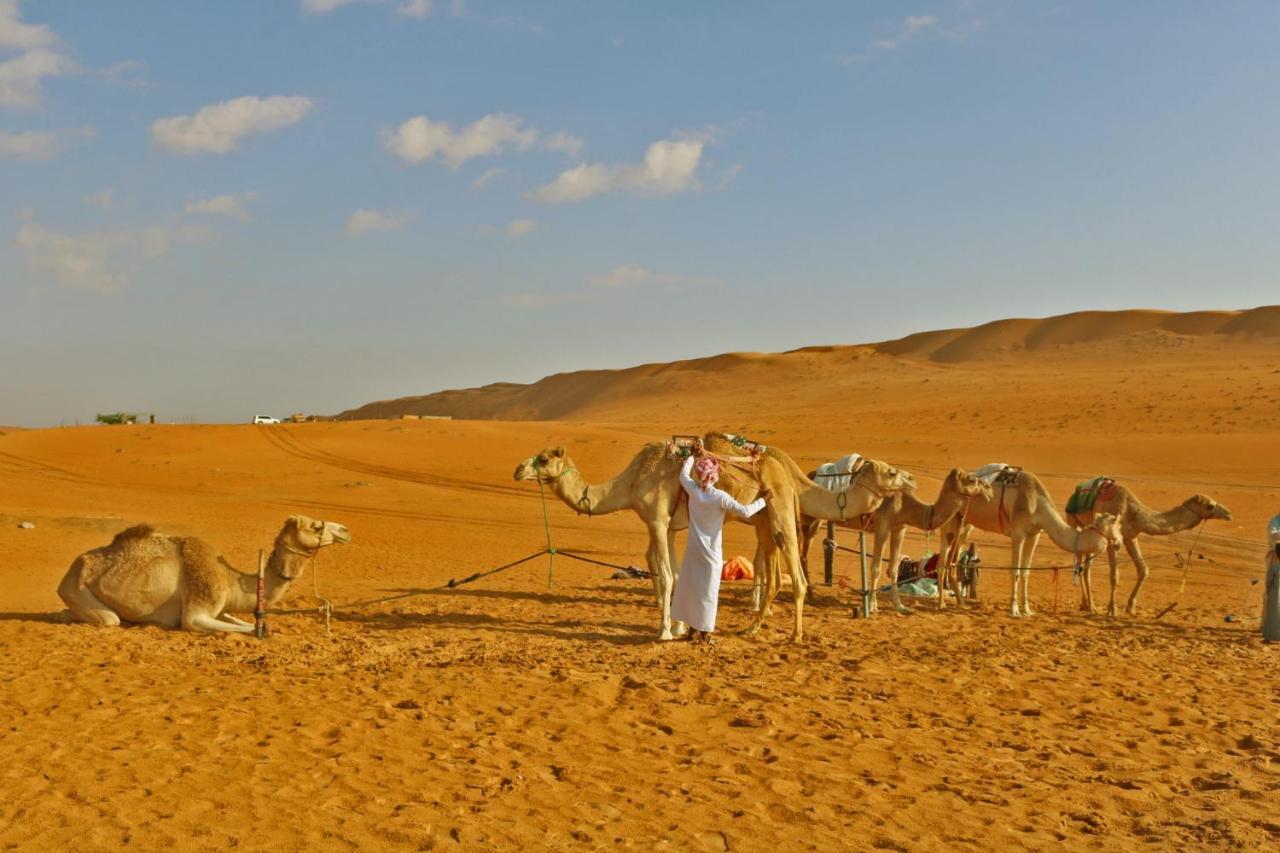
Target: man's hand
(698, 449)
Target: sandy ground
(508, 713)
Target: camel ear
(559, 451)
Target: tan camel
(181, 582)
(1137, 519)
(1021, 509)
(650, 487)
(895, 515)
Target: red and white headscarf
(706, 471)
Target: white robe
(698, 590)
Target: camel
(1022, 509)
(650, 487)
(895, 515)
(181, 582)
(1137, 519)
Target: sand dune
(507, 712)
(579, 393)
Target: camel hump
(139, 531)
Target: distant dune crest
(566, 395)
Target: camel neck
(283, 568)
(602, 499)
(1175, 520)
(1066, 537)
(931, 516)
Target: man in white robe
(697, 591)
(1271, 589)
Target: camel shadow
(60, 617)
(563, 629)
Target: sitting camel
(181, 582)
(1021, 509)
(1137, 519)
(650, 487)
(895, 515)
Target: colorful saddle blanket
(1088, 493)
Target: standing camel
(650, 487)
(895, 515)
(1136, 519)
(1021, 509)
(181, 582)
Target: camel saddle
(1008, 476)
(1088, 493)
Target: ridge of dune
(564, 395)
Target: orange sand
(505, 714)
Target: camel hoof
(749, 632)
(904, 609)
(665, 637)
(797, 638)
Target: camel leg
(85, 606)
(210, 624)
(895, 554)
(800, 585)
(1028, 556)
(663, 581)
(1015, 557)
(808, 530)
(1086, 586)
(678, 628)
(767, 547)
(1139, 563)
(877, 547)
(761, 566)
(227, 617)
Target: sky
(211, 210)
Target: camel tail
(139, 531)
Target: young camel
(1021, 509)
(650, 487)
(181, 582)
(895, 515)
(1137, 519)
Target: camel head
(307, 535)
(1108, 525)
(1206, 507)
(883, 477)
(968, 485)
(548, 466)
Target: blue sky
(214, 209)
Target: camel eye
(542, 460)
(318, 526)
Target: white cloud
(40, 54)
(522, 227)
(105, 199)
(419, 9)
(485, 177)
(626, 277)
(632, 275)
(19, 36)
(102, 261)
(128, 73)
(324, 7)
(223, 205)
(21, 77)
(670, 166)
(40, 145)
(218, 128)
(368, 221)
(912, 26)
(420, 139)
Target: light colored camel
(1137, 519)
(1022, 509)
(181, 582)
(650, 487)
(895, 515)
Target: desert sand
(509, 712)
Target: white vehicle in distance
(265, 419)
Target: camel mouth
(341, 535)
(1222, 513)
(523, 472)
